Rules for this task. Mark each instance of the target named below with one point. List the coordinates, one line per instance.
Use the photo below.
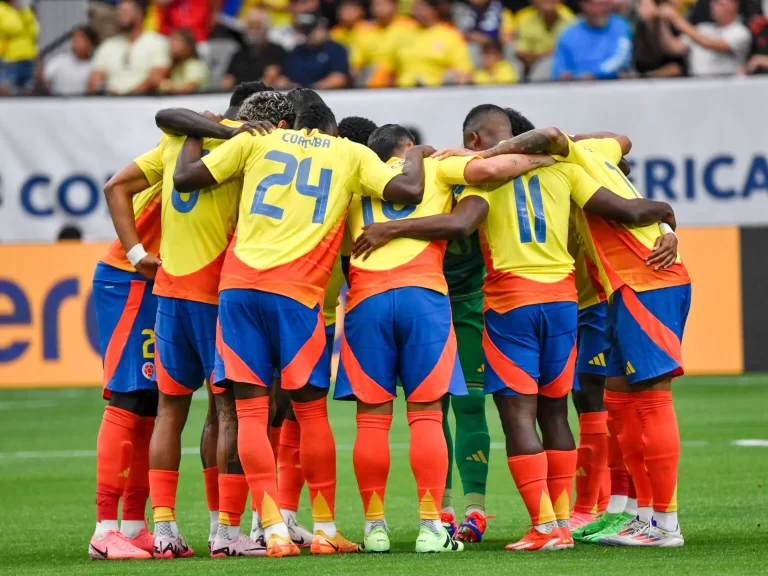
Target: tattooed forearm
(541, 141)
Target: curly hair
(271, 106)
(356, 128)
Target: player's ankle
(327, 528)
(278, 529)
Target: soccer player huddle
(523, 265)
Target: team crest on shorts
(148, 370)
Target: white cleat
(300, 535)
(654, 537)
(626, 536)
(242, 546)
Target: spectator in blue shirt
(318, 62)
(598, 46)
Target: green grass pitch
(47, 475)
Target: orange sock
(290, 480)
(318, 457)
(274, 439)
(371, 460)
(162, 490)
(662, 446)
(136, 491)
(257, 458)
(114, 448)
(233, 494)
(623, 410)
(429, 460)
(530, 475)
(604, 496)
(561, 466)
(591, 461)
(211, 481)
(618, 470)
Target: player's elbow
(163, 121)
(558, 141)
(183, 182)
(412, 195)
(625, 143)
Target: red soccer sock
(114, 449)
(662, 446)
(429, 460)
(318, 457)
(257, 458)
(530, 475)
(290, 480)
(233, 494)
(274, 439)
(591, 461)
(162, 489)
(211, 481)
(604, 495)
(618, 471)
(623, 410)
(561, 466)
(136, 492)
(371, 460)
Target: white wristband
(135, 254)
(666, 228)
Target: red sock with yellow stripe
(257, 458)
(429, 460)
(162, 489)
(530, 475)
(114, 448)
(371, 461)
(233, 495)
(591, 462)
(561, 466)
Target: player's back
(403, 261)
(196, 230)
(296, 192)
(618, 249)
(588, 280)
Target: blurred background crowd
(77, 47)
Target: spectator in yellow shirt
(188, 73)
(352, 27)
(368, 52)
(495, 69)
(538, 27)
(435, 53)
(18, 46)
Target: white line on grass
(750, 443)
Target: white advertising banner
(698, 144)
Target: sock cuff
(253, 407)
(654, 396)
(561, 462)
(375, 421)
(593, 422)
(528, 468)
(121, 417)
(617, 399)
(162, 487)
(290, 434)
(433, 415)
(309, 410)
(233, 494)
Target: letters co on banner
(698, 144)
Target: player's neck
(231, 113)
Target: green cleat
(377, 542)
(603, 527)
(428, 541)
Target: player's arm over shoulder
(227, 161)
(634, 212)
(608, 144)
(379, 180)
(473, 170)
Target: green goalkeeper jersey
(464, 268)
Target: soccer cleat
(566, 540)
(651, 536)
(243, 546)
(114, 546)
(624, 536)
(144, 540)
(169, 547)
(428, 541)
(473, 528)
(535, 541)
(300, 535)
(377, 541)
(449, 523)
(322, 544)
(603, 526)
(279, 546)
(578, 520)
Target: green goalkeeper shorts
(468, 324)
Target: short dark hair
(317, 116)
(303, 97)
(89, 33)
(357, 129)
(388, 139)
(242, 91)
(143, 5)
(520, 124)
(479, 114)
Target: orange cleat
(535, 541)
(280, 546)
(322, 544)
(565, 538)
(144, 540)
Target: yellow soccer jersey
(331, 301)
(296, 193)
(403, 261)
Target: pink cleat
(243, 546)
(114, 546)
(167, 547)
(579, 520)
(144, 540)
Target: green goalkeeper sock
(447, 503)
(473, 444)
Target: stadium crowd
(186, 46)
